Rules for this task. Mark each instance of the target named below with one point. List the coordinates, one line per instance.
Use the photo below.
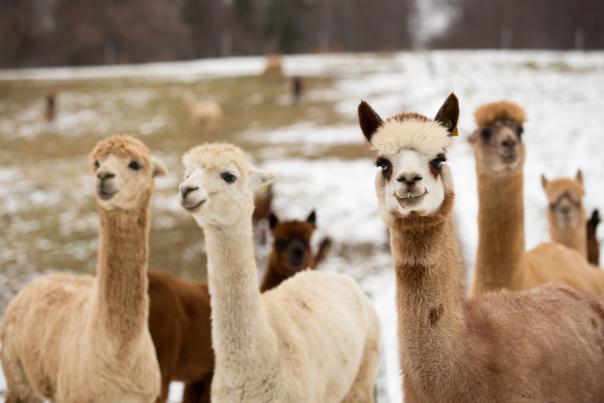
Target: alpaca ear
(543, 181)
(312, 218)
(273, 220)
(448, 114)
(369, 120)
(159, 168)
(259, 179)
(579, 176)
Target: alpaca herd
(532, 328)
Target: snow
(561, 93)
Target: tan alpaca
(74, 339)
(501, 259)
(566, 215)
(542, 345)
(314, 338)
(205, 114)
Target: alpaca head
(498, 142)
(565, 198)
(124, 171)
(413, 178)
(219, 184)
(291, 248)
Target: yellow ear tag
(455, 133)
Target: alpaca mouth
(194, 208)
(410, 200)
(105, 195)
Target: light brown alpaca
(566, 215)
(539, 345)
(74, 339)
(501, 260)
(273, 68)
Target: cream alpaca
(76, 339)
(501, 260)
(207, 114)
(314, 338)
(538, 345)
(566, 215)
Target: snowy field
(316, 149)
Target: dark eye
(438, 161)
(485, 134)
(519, 130)
(134, 165)
(96, 164)
(280, 244)
(228, 177)
(385, 165)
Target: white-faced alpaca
(74, 339)
(566, 215)
(314, 338)
(538, 345)
(501, 259)
(205, 114)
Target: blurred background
(282, 79)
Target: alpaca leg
(362, 389)
(199, 391)
(165, 390)
(19, 388)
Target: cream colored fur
(203, 113)
(75, 339)
(428, 137)
(313, 339)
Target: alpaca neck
(500, 230)
(122, 298)
(574, 237)
(429, 301)
(273, 276)
(240, 326)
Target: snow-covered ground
(561, 93)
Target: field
(47, 212)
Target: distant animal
(297, 89)
(51, 107)
(593, 245)
(273, 67)
(502, 260)
(205, 114)
(292, 251)
(263, 202)
(179, 322)
(314, 338)
(566, 214)
(72, 338)
(540, 345)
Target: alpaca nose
(185, 190)
(104, 175)
(409, 178)
(509, 143)
(565, 210)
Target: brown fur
(501, 260)
(488, 114)
(273, 67)
(593, 245)
(51, 107)
(179, 322)
(279, 267)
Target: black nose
(409, 178)
(298, 252)
(565, 210)
(509, 143)
(186, 190)
(104, 175)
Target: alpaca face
(411, 154)
(499, 147)
(565, 199)
(291, 248)
(124, 174)
(219, 184)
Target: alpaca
(179, 322)
(76, 339)
(314, 338)
(292, 251)
(51, 107)
(205, 114)
(263, 207)
(537, 345)
(501, 260)
(593, 245)
(566, 215)
(273, 68)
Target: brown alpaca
(538, 345)
(593, 245)
(75, 339)
(566, 215)
(292, 251)
(501, 260)
(179, 322)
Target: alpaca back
(552, 262)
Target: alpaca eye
(438, 161)
(385, 165)
(280, 244)
(485, 134)
(96, 164)
(134, 165)
(228, 177)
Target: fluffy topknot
(214, 155)
(123, 146)
(488, 114)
